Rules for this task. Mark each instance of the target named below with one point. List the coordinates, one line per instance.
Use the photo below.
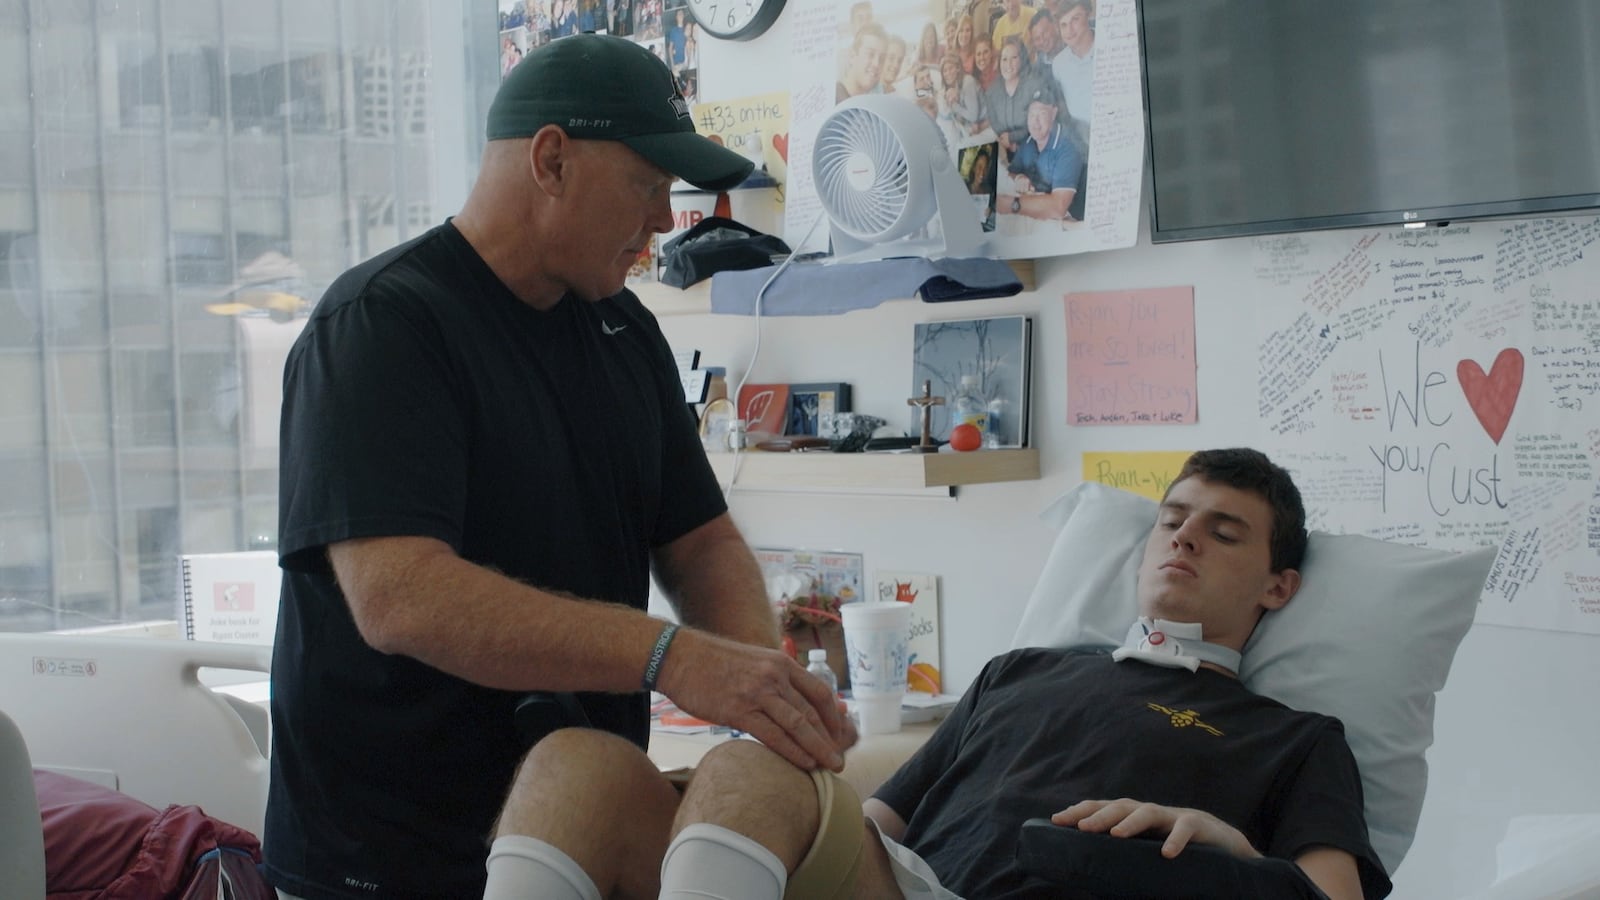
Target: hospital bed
(131, 715)
(1369, 639)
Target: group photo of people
(1010, 86)
(663, 26)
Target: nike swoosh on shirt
(608, 328)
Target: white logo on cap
(679, 105)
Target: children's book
(921, 590)
(230, 596)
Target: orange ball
(965, 437)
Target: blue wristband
(652, 669)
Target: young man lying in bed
(1158, 739)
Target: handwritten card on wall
(1147, 473)
(1130, 357)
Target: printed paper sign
(1147, 474)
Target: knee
(748, 764)
(584, 753)
(581, 768)
(741, 784)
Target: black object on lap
(1134, 869)
(542, 712)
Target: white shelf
(868, 472)
(664, 300)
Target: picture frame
(997, 349)
(809, 402)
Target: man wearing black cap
(486, 456)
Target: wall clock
(735, 20)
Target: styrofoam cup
(878, 713)
(877, 640)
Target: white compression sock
(709, 862)
(523, 868)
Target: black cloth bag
(717, 244)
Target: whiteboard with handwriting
(1442, 387)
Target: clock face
(737, 20)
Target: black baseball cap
(605, 88)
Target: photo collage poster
(1067, 181)
(664, 26)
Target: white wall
(1515, 729)
(1515, 725)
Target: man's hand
(760, 691)
(1022, 184)
(1129, 818)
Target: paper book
(921, 590)
(230, 596)
(998, 350)
(764, 409)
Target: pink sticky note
(1130, 357)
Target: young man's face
(866, 63)
(1074, 25)
(1209, 560)
(893, 58)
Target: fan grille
(856, 145)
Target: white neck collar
(1174, 644)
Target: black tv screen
(1288, 115)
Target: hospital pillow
(1368, 638)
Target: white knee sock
(709, 862)
(524, 868)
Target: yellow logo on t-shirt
(1183, 718)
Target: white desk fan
(882, 172)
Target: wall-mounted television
(1270, 116)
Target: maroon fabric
(100, 844)
(228, 875)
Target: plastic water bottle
(969, 408)
(991, 430)
(817, 664)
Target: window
(179, 181)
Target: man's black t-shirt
(1043, 729)
(425, 399)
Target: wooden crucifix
(927, 402)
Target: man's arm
(415, 596)
(713, 581)
(1051, 206)
(889, 821)
(1333, 870)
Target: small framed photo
(809, 402)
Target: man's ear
(1281, 589)
(550, 159)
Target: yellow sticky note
(1146, 473)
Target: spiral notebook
(230, 596)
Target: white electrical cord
(755, 351)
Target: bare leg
(601, 801)
(746, 788)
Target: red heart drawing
(1492, 396)
(780, 143)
